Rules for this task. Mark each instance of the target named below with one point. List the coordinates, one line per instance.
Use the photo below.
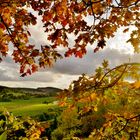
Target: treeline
(7, 95)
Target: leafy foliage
(68, 125)
(108, 107)
(62, 18)
(33, 107)
(13, 128)
(105, 99)
(3, 136)
(104, 106)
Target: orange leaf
(109, 2)
(93, 96)
(136, 85)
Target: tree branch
(98, 84)
(116, 80)
(127, 121)
(14, 42)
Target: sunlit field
(29, 107)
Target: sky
(66, 70)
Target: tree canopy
(102, 106)
(60, 19)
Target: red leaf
(35, 53)
(34, 68)
(28, 71)
(64, 23)
(79, 54)
(22, 68)
(2, 26)
(68, 53)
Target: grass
(29, 107)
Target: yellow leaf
(93, 96)
(65, 98)
(136, 85)
(95, 108)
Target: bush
(19, 128)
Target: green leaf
(3, 136)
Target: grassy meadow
(27, 102)
(31, 107)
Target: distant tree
(62, 18)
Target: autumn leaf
(34, 68)
(35, 53)
(136, 85)
(29, 71)
(79, 54)
(64, 22)
(95, 108)
(2, 26)
(126, 30)
(68, 53)
(22, 68)
(60, 20)
(93, 96)
(109, 2)
(101, 43)
(96, 49)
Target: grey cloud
(91, 61)
(39, 76)
(4, 76)
(12, 75)
(67, 66)
(9, 71)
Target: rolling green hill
(46, 91)
(27, 101)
